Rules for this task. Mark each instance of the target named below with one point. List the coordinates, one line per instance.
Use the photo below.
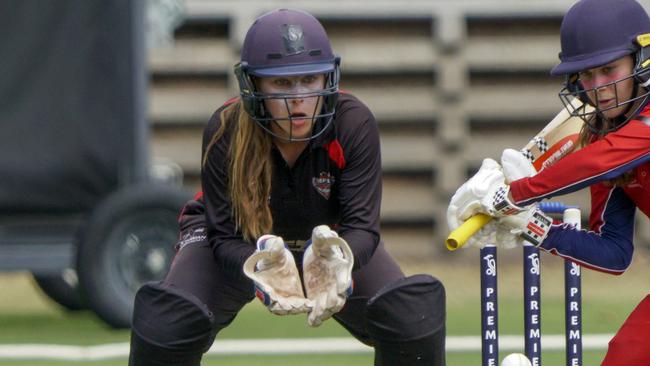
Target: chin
(613, 113)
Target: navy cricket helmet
(594, 33)
(287, 42)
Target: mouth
(606, 102)
(298, 119)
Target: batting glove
(277, 282)
(496, 234)
(532, 225)
(327, 269)
(486, 192)
(515, 166)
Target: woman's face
(293, 116)
(603, 89)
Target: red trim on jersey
(230, 101)
(336, 153)
(583, 264)
(197, 197)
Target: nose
(297, 101)
(601, 82)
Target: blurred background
(450, 83)
(103, 103)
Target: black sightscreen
(68, 117)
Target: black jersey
(336, 181)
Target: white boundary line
(279, 346)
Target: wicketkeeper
(290, 212)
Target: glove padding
(486, 192)
(327, 270)
(277, 282)
(486, 189)
(515, 165)
(493, 233)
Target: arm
(229, 248)
(618, 152)
(608, 248)
(361, 184)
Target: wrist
(502, 203)
(537, 227)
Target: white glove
(515, 166)
(277, 282)
(493, 233)
(327, 269)
(486, 192)
(531, 225)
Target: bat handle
(459, 237)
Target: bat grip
(459, 237)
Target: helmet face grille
(254, 103)
(594, 117)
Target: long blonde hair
(249, 171)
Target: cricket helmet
(287, 42)
(594, 33)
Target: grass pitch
(27, 316)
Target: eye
(281, 82)
(607, 70)
(586, 75)
(309, 79)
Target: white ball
(516, 359)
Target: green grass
(27, 317)
(453, 359)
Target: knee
(172, 319)
(408, 309)
(406, 320)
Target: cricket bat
(556, 140)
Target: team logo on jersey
(191, 236)
(323, 184)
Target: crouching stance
(291, 179)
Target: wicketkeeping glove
(327, 270)
(277, 282)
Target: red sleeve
(616, 153)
